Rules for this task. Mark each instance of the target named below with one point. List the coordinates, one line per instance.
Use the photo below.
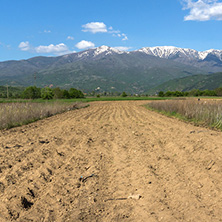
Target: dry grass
(206, 112)
(15, 114)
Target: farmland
(16, 112)
(112, 161)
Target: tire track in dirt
(84, 164)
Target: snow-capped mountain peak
(183, 55)
(107, 50)
(172, 52)
(215, 52)
(169, 52)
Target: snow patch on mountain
(84, 53)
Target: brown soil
(84, 165)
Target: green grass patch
(117, 98)
(87, 99)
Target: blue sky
(31, 28)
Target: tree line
(194, 92)
(33, 92)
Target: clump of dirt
(25, 203)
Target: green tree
(124, 94)
(195, 92)
(74, 93)
(31, 92)
(178, 94)
(3, 95)
(161, 94)
(208, 93)
(65, 94)
(218, 91)
(47, 93)
(186, 93)
(168, 93)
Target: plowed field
(112, 161)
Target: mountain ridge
(158, 51)
(168, 51)
(109, 68)
(209, 60)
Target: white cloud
(122, 48)
(59, 49)
(94, 27)
(124, 37)
(25, 46)
(85, 44)
(203, 10)
(47, 31)
(70, 38)
(114, 31)
(54, 49)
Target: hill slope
(201, 82)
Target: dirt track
(83, 165)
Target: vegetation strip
(202, 112)
(17, 114)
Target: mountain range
(109, 69)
